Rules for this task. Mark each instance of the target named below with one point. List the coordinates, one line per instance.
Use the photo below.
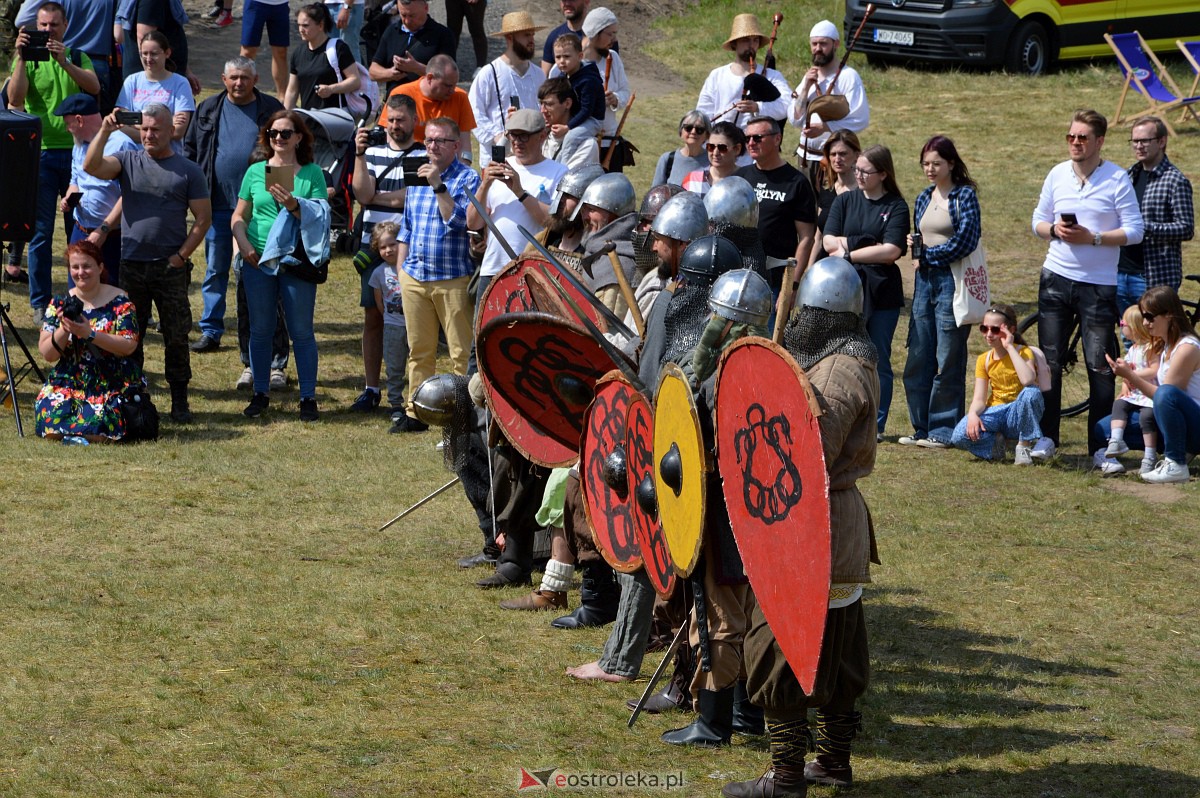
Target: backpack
(358, 103)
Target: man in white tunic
(823, 42)
(721, 96)
(511, 76)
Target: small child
(585, 79)
(1143, 355)
(385, 281)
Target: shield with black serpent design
(604, 477)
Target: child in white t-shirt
(385, 282)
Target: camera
(376, 136)
(36, 50)
(72, 308)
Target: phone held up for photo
(133, 118)
(499, 153)
(36, 49)
(410, 165)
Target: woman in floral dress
(90, 354)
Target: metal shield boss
(604, 474)
(539, 372)
(777, 492)
(639, 448)
(679, 468)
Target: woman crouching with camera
(88, 337)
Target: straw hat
(516, 22)
(744, 25)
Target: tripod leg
(6, 321)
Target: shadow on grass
(1060, 780)
(964, 683)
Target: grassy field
(215, 614)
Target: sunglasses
(280, 134)
(721, 148)
(1149, 317)
(757, 137)
(1077, 138)
(994, 329)
(695, 128)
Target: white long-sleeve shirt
(849, 85)
(491, 109)
(722, 88)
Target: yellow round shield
(679, 468)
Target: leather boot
(714, 726)
(790, 741)
(180, 412)
(537, 600)
(747, 718)
(834, 733)
(599, 595)
(668, 699)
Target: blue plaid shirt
(964, 215)
(1169, 219)
(438, 250)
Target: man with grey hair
(220, 140)
(158, 190)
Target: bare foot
(592, 670)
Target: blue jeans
(218, 253)
(1063, 302)
(353, 31)
(54, 175)
(1178, 418)
(881, 327)
(1133, 431)
(480, 290)
(1017, 420)
(935, 374)
(263, 292)
(1130, 288)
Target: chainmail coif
(748, 241)
(813, 334)
(687, 314)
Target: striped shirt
(383, 159)
(438, 250)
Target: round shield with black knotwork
(545, 369)
(639, 455)
(603, 474)
(528, 283)
(679, 467)
(777, 492)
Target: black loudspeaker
(20, 155)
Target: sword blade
(658, 672)
(491, 226)
(422, 502)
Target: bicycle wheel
(1076, 392)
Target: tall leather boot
(714, 726)
(834, 733)
(180, 412)
(747, 718)
(790, 741)
(599, 595)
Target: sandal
(19, 276)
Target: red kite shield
(639, 443)
(524, 285)
(603, 466)
(545, 370)
(777, 492)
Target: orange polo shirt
(457, 106)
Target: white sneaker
(1021, 455)
(1111, 468)
(930, 443)
(1167, 471)
(246, 381)
(1116, 448)
(907, 440)
(279, 379)
(1043, 450)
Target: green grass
(215, 614)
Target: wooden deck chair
(1191, 51)
(1146, 74)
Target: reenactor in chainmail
(564, 229)
(655, 198)
(609, 216)
(732, 209)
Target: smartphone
(410, 165)
(36, 49)
(514, 101)
(283, 176)
(499, 153)
(1069, 218)
(129, 118)
(73, 199)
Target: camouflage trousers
(155, 281)
(8, 33)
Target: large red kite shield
(524, 284)
(545, 369)
(639, 454)
(603, 466)
(777, 492)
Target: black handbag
(299, 265)
(139, 413)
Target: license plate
(884, 36)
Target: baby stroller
(333, 132)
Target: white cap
(825, 30)
(597, 20)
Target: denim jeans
(880, 328)
(1178, 417)
(54, 175)
(353, 31)
(218, 254)
(263, 293)
(936, 371)
(1063, 302)
(395, 355)
(1017, 420)
(480, 291)
(1130, 288)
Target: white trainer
(1116, 448)
(1167, 471)
(1111, 468)
(246, 381)
(1043, 450)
